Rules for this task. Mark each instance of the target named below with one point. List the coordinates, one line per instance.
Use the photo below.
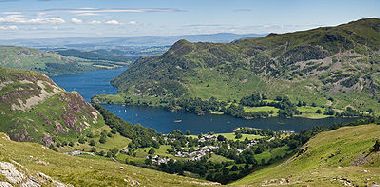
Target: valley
(334, 68)
(163, 120)
(297, 108)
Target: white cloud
(132, 22)
(41, 14)
(87, 14)
(5, 28)
(95, 22)
(76, 21)
(11, 13)
(112, 10)
(112, 22)
(22, 20)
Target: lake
(89, 84)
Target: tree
(101, 153)
(90, 134)
(64, 143)
(221, 138)
(109, 134)
(102, 139)
(82, 140)
(151, 151)
(234, 168)
(109, 154)
(370, 111)
(92, 143)
(238, 135)
(148, 162)
(71, 144)
(376, 147)
(53, 147)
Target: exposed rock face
(15, 176)
(10, 172)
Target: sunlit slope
(33, 159)
(341, 62)
(45, 62)
(333, 158)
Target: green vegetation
(232, 136)
(45, 62)
(331, 158)
(331, 67)
(32, 159)
(34, 109)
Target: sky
(125, 18)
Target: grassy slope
(62, 115)
(310, 66)
(84, 171)
(50, 63)
(330, 158)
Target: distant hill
(29, 164)
(34, 108)
(121, 42)
(45, 62)
(342, 157)
(330, 66)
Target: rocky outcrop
(15, 176)
(36, 109)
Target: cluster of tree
(197, 105)
(349, 112)
(141, 137)
(219, 172)
(287, 108)
(254, 100)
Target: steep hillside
(343, 157)
(339, 64)
(45, 62)
(29, 164)
(34, 108)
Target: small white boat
(178, 121)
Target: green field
(271, 109)
(281, 151)
(231, 136)
(311, 112)
(218, 159)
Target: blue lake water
(89, 84)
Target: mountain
(343, 157)
(34, 108)
(45, 62)
(329, 66)
(82, 43)
(30, 164)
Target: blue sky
(106, 18)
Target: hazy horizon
(88, 18)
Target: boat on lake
(178, 121)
